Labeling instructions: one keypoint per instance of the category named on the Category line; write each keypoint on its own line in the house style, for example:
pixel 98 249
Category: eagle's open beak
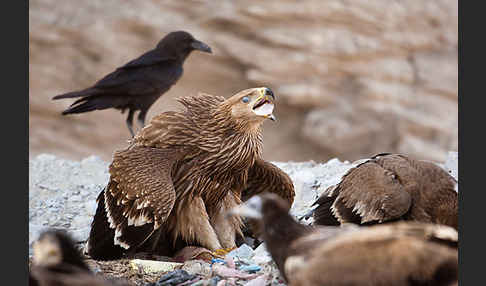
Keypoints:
pixel 198 45
pixel 264 103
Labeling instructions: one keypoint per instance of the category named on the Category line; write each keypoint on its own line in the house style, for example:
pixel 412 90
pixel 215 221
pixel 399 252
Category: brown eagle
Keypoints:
pixel 389 187
pixel 400 253
pixel 174 183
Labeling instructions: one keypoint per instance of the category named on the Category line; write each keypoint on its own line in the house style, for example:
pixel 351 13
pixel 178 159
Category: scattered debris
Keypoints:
pixel 199 267
pixel 242 252
pixel 176 277
pixel 259 281
pixel 224 271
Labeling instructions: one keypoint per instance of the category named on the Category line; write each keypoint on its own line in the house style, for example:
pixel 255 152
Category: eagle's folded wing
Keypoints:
pixel 138 198
pixel 266 177
pixel 369 193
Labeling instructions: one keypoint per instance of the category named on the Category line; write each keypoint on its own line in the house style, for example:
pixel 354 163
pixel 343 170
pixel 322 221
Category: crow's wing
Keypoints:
pixel 147 74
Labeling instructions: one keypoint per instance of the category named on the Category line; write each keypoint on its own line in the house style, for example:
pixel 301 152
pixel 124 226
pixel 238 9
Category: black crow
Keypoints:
pixel 140 82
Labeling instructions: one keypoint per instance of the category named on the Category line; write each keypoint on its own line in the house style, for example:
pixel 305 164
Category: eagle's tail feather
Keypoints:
pixel 100 241
pixel 322 213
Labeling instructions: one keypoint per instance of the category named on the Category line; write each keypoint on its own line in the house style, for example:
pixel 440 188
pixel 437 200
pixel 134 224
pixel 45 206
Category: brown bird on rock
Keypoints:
pixel 57 262
pixel 179 176
pixel 401 253
pixel 139 83
pixel 390 187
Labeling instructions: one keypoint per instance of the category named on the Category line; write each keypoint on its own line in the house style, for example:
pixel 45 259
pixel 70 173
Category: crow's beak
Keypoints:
pixel 198 45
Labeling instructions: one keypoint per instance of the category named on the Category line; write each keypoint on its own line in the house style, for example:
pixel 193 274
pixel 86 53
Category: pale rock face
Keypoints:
pixel 351 78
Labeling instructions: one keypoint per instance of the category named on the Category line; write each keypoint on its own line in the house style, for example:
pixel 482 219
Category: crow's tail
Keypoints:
pixel 80 106
pixel 84 92
pixel 89 103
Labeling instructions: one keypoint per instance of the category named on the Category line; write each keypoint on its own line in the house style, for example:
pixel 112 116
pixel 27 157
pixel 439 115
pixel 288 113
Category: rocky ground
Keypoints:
pixel 62 194
pixel 352 78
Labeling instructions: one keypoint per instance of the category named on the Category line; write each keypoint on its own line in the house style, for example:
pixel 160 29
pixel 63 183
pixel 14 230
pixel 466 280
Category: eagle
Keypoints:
pixel 389 187
pixel 399 253
pixel 174 183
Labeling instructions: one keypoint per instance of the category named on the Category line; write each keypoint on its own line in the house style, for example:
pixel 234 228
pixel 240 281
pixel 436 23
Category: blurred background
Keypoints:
pixel 352 78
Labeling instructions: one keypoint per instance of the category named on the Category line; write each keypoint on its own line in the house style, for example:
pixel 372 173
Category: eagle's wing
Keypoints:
pixel 394 254
pixel 137 200
pixel 266 177
pixel 437 233
pixel 368 192
pixel 301 248
pixel 318 235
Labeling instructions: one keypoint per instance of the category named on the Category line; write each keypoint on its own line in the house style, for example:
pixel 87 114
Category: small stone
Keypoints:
pixel 261 255
pixel 252 268
pixel 153 266
pixel 227 272
pixel 259 281
pixel 175 277
pixel 230 262
pixel 221 283
pixel 242 252
pixel 197 267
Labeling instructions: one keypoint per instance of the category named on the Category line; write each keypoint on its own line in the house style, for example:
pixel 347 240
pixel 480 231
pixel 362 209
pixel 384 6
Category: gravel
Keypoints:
pixel 62 194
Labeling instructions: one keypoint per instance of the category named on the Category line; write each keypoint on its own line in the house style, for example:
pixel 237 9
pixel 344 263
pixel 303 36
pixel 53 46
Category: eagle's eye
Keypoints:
pixel 245 99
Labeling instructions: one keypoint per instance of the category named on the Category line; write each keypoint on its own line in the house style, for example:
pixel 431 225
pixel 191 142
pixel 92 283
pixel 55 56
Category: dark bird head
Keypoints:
pixel 279 228
pixel 262 207
pixel 181 44
pixel 55 247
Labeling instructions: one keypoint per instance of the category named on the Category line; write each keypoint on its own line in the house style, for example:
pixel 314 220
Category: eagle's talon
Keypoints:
pixel 223 251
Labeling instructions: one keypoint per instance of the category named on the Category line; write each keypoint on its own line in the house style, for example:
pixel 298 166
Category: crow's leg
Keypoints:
pixel 141 118
pixel 130 121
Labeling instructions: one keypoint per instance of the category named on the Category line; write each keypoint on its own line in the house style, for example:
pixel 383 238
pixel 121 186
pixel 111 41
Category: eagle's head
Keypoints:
pixel 251 106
